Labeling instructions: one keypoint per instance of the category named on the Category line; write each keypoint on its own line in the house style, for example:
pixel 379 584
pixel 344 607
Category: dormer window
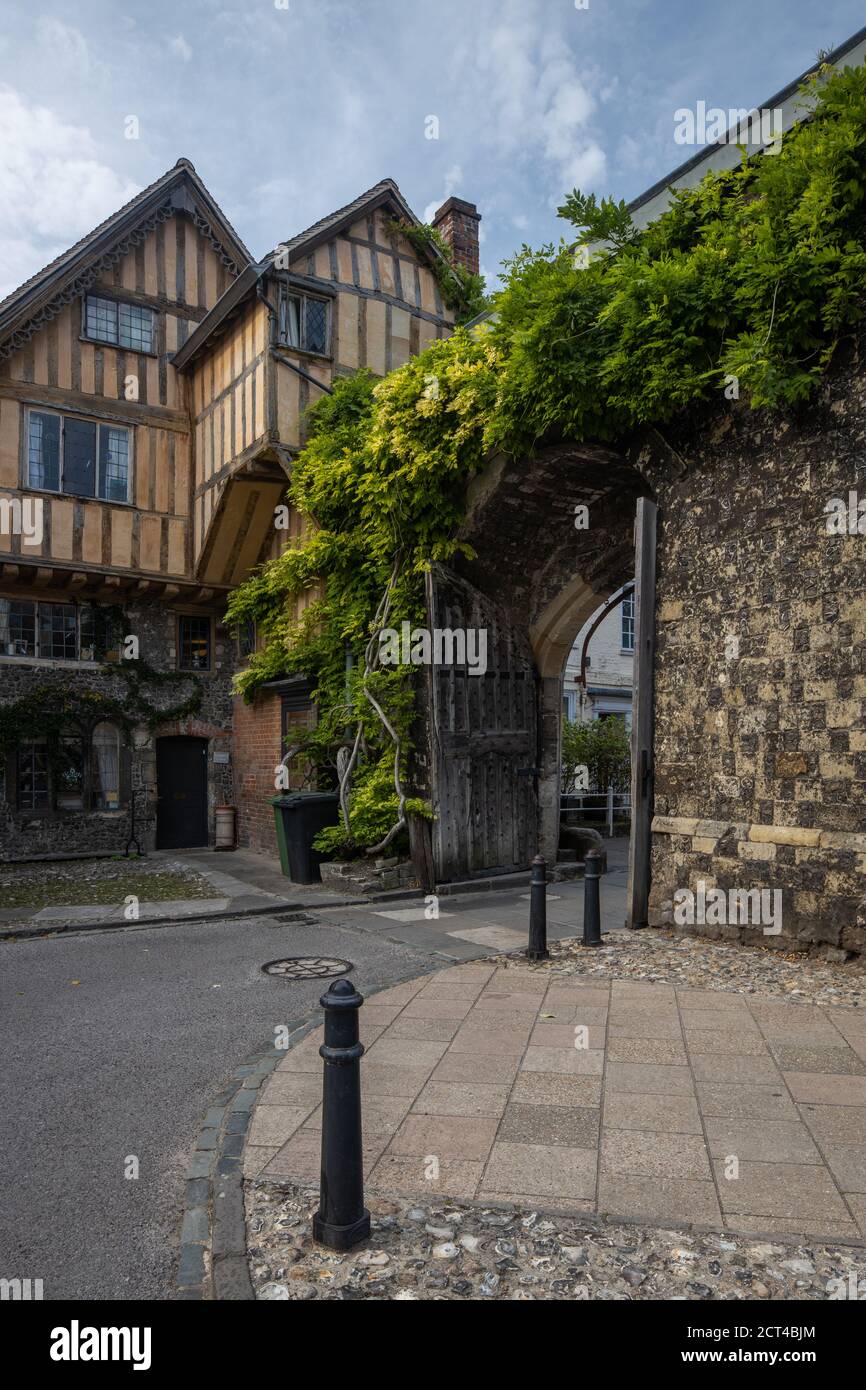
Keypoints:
pixel 304 322
pixel 113 321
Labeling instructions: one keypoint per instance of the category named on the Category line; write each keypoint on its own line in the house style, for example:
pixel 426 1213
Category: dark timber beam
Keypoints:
pixel 637 899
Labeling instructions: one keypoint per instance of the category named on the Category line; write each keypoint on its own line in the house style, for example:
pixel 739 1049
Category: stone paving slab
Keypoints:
pixel 495 1082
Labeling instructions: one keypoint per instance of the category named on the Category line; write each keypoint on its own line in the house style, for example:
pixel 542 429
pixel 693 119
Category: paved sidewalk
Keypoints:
pixel 685 1105
pixel 469 925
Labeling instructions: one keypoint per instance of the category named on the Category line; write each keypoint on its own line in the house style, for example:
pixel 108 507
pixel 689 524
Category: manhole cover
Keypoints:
pixel 307 967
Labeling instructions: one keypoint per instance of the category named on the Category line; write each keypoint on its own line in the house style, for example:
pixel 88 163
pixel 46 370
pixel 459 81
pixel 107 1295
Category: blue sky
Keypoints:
pixel 290 108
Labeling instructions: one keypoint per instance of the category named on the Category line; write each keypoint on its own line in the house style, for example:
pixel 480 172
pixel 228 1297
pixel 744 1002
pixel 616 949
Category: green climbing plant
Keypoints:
pixel 753 277
pixel 461 290
pixel 59 709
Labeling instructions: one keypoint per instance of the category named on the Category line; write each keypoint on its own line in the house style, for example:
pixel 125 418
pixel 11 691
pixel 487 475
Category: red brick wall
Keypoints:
pixel 457 223
pixel 257 750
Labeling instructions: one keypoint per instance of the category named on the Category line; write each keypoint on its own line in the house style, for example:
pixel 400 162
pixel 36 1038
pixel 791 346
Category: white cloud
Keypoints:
pixel 453 180
pixel 53 187
pixel 180 48
pixel 66 46
pixel 541 107
pixel 584 169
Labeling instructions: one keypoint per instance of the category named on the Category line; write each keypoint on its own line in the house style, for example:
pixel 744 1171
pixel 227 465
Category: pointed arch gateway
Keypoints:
pixel 494 737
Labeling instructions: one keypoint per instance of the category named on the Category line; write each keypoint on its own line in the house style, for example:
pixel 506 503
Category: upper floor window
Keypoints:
pixel 628 623
pixel 85 458
pixel 304 322
pixel 193 643
pixel 123 325
pixel 56 631
pixel 246 638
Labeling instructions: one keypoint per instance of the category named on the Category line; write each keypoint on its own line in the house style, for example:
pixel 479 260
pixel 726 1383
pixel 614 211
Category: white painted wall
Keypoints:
pixel 609 673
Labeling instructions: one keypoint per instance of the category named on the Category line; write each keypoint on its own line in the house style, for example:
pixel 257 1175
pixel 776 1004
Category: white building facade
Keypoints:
pixel 609 668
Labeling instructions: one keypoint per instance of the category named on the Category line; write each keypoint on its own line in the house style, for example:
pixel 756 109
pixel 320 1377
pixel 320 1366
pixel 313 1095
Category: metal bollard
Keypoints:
pixel 537 949
pixel 342 1219
pixel 591 905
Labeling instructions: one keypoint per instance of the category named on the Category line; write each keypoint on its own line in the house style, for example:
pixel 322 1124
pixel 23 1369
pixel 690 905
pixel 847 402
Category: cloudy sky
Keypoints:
pixel 290 108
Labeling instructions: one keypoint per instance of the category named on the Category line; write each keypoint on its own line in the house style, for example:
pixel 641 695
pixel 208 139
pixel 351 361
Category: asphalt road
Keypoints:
pixel 115 1044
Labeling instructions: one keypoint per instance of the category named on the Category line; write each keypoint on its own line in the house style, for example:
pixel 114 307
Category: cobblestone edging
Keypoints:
pixel 213 1259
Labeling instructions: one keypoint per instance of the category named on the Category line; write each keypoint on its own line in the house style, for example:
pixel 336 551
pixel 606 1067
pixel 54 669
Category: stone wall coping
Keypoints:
pixel 760 834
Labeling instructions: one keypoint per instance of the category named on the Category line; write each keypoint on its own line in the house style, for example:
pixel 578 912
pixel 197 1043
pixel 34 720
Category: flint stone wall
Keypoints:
pixel 760 683
pixel 25 834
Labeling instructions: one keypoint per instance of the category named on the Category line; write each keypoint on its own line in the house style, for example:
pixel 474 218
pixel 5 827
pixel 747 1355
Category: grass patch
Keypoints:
pixel 83 883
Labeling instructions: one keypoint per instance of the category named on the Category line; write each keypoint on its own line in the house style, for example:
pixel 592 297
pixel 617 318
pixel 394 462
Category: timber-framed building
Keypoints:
pixel 153 385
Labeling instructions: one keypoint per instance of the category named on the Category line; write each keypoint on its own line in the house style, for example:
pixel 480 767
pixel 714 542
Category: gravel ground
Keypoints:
pixel 105 881
pixel 459 1251
pixel 662 957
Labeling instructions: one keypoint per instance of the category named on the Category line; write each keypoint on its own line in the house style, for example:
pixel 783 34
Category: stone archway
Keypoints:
pixel 495 753
pixel 753 752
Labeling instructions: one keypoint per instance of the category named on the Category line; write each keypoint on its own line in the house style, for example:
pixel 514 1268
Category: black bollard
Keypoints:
pixel 342 1219
pixel 537 949
pixel 591 905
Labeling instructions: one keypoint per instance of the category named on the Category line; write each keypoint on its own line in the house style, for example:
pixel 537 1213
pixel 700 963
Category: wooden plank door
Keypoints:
pixel 484 740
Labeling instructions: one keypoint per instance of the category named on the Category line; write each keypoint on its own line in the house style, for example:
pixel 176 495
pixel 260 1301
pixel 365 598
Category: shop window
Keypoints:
pixel 33 791
pixel 105 768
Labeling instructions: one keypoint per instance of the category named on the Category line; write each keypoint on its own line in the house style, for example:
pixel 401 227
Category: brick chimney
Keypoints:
pixel 457 223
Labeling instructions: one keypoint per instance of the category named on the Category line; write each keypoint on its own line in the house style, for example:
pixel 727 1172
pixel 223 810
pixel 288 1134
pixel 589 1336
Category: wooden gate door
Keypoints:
pixel 484 740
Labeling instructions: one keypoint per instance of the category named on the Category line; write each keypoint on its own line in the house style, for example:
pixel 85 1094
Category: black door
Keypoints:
pixel 181 788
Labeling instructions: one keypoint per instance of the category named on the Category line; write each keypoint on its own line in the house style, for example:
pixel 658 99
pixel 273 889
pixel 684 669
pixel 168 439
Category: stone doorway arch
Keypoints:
pixel 494 740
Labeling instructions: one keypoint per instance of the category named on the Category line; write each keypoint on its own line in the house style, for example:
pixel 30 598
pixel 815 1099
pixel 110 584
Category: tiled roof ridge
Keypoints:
pixel 340 213
pixel 95 232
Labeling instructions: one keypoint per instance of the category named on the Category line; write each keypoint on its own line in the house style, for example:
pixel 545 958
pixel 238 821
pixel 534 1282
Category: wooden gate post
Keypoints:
pixel 421 851
pixel 637 899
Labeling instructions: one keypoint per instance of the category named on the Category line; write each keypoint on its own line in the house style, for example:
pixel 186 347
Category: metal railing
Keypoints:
pixel 604 807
